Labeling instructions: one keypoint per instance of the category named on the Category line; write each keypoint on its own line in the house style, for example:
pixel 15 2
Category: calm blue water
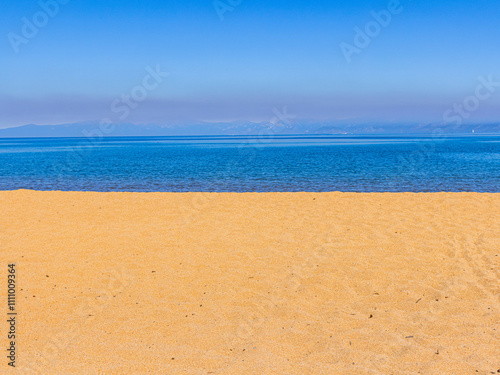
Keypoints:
pixel 240 164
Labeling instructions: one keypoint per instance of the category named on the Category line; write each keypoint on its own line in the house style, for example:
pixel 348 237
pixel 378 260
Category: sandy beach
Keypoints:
pixel 271 283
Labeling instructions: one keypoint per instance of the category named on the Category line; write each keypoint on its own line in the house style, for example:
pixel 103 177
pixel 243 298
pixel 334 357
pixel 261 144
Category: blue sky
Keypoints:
pixel 262 55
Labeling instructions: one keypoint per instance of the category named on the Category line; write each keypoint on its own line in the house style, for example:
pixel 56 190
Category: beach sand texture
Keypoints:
pixel 273 283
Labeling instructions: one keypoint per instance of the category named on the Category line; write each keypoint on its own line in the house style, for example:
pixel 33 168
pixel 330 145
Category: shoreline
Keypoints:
pixel 247 192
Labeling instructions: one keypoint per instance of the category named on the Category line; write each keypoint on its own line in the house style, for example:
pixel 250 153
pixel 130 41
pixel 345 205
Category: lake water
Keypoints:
pixel 253 164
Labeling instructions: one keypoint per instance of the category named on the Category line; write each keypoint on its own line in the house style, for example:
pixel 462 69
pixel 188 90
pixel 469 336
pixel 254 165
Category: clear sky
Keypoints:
pixel 89 59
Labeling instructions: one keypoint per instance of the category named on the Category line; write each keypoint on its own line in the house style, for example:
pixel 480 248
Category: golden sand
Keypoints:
pixel 278 283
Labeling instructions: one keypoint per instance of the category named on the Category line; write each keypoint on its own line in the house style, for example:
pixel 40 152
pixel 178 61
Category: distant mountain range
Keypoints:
pixel 95 129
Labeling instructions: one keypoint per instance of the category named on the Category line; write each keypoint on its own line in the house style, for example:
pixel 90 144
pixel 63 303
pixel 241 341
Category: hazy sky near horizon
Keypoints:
pixel 106 59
